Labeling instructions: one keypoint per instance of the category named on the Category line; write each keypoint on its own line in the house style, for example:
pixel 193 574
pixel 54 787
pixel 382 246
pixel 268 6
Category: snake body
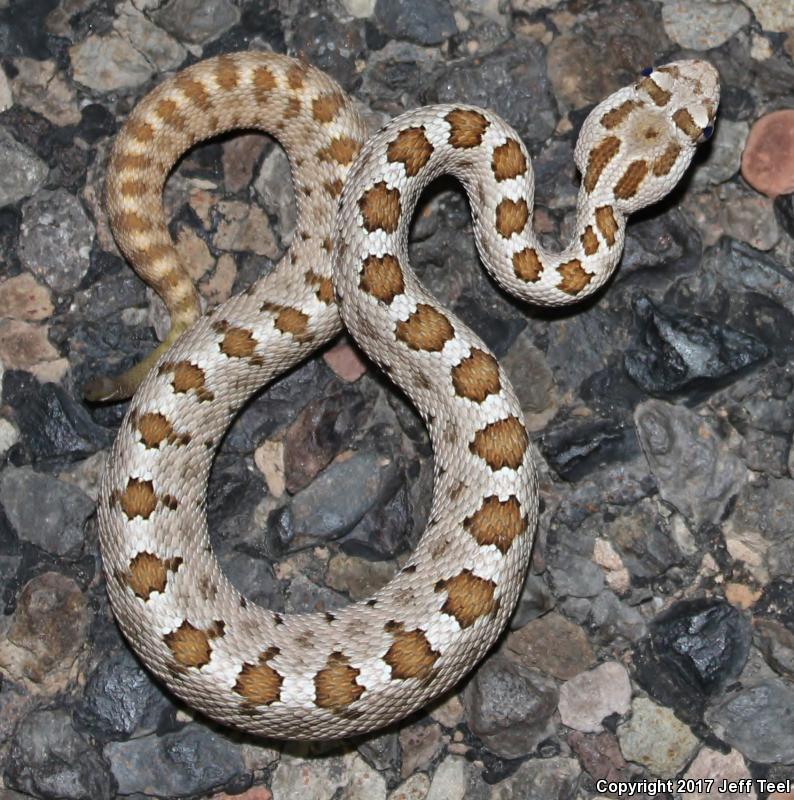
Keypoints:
pixel 320 676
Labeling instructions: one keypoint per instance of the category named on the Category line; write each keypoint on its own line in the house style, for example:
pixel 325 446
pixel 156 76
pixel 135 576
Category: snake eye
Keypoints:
pixel 647 72
pixel 708 132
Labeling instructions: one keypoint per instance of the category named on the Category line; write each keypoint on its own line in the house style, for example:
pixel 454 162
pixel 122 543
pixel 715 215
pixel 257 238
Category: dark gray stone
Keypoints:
pixel 692 652
pixel 419 21
pixel 677 350
pixel 758 721
pixel 49 758
pixel 45 511
pixel 21 172
pixel 541 779
pixel 196 21
pixel 120 699
pixel 535 600
pixel 56 238
pixel 191 761
pixel 510 707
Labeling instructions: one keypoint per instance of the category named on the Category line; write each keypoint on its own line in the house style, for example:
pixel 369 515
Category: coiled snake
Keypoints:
pixel 318 676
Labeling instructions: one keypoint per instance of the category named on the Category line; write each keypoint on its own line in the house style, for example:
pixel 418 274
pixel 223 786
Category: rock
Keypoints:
pixel 303 596
pixel 40 87
pixel 692 652
pixel 244 228
pixel 552 645
pixel 319 432
pixel 613 618
pixel 6 98
pixel 345 361
pixel 530 375
pixel 52 425
pixel 109 63
pixel 510 707
pixel 415 788
pixel 195 22
pixel 587 698
pixel 711 765
pixel 21 297
pixel 357 577
pixel 510 81
pixel 269 458
pixel 703 25
pixel 47 632
pixel 680 349
pixel 382 752
pixel 420 745
pixel 758 721
pixel 540 779
pixel 776 642
pixel 359 8
pixel 768 157
pixel 22 172
pixel 50 759
pixel 426 23
pixel 350 775
pixel 724 156
pixel 600 754
pixel 536 599
pixel 240 154
pixel 273 175
pixel 449 712
pixel 654 738
pixel 772 15
pixel 26 346
pixel 160 49
pixel 45 511
pixel 193 760
pixel 457 779
pixel 56 238
pixel 573 575
pixel 692 465
pixel 120 699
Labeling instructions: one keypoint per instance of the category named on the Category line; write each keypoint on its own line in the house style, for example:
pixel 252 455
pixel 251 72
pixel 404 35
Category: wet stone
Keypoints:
pixel 188 762
pixel 45 511
pixel 758 721
pixel 426 23
pixel 655 738
pixel 677 350
pixel 50 759
pixel 551 644
pixel 22 172
pixel 120 699
pixel 692 652
pixel 510 707
pixel 588 698
pixel 56 238
pixel 690 461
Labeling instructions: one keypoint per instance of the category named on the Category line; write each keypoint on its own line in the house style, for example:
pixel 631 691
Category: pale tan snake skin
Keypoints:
pixel 320 676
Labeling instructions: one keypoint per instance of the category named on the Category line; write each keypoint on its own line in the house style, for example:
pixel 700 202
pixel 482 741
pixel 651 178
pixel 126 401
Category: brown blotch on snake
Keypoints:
pixel 511 217
pixel 468 597
pixel 290 320
pixel 589 241
pixel 327 106
pixel 412 149
pixel 501 444
pixel 138 499
pixel 477 376
pixel 598 159
pixel 325 287
pixel 630 181
pixel 497 522
pixel 128 223
pixel 659 96
pixel 466 127
pixel 607 224
pixel 574 277
pixel 155 429
pixel 168 112
pixel 683 119
pixel 194 91
pixel 335 685
pixel 334 187
pixel 527 265
pixel 191 646
pixel 136 188
pixel 187 377
pixel 410 655
pixel 380 208
pixel 238 343
pixel 425 329
pixel 264 83
pixel 148 573
pixel 259 683
pixel 342 150
pixel 139 130
pixel 664 163
pixel 226 73
pixel 382 277
pixel 616 116
pixel 508 161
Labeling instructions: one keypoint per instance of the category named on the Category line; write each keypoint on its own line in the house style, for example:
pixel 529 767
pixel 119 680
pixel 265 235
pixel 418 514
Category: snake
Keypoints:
pixel 337 674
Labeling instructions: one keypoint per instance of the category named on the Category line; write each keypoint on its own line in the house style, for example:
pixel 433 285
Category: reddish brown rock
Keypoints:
pixel 768 158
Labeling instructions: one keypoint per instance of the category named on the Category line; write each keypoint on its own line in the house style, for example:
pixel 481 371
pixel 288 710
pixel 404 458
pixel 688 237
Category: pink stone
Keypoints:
pixel 768 158
pixel 345 362
pixel 254 793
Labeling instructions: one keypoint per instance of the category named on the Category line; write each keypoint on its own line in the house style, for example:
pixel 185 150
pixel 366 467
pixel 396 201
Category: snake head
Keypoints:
pixel 636 144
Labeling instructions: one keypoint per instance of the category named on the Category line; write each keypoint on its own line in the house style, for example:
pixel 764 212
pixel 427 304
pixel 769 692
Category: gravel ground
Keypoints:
pixel 655 635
